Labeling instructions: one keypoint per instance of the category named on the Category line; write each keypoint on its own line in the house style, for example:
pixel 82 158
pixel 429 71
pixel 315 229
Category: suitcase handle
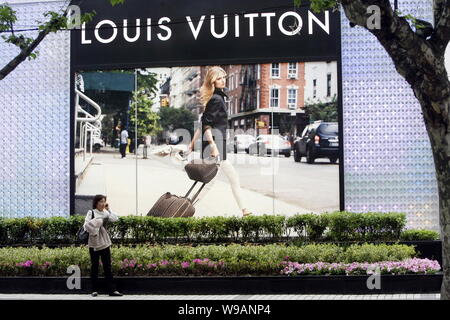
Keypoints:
pixel 197 193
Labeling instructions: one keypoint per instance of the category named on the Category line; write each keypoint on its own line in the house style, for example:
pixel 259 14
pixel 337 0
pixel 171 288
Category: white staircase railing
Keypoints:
pixel 89 124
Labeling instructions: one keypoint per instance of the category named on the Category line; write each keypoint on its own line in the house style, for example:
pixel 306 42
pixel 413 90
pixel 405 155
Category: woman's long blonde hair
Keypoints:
pixel 207 89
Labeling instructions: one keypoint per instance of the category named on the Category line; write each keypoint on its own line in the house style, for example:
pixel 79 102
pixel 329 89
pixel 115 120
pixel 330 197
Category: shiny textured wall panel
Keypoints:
pixel 35 121
pixel 387 156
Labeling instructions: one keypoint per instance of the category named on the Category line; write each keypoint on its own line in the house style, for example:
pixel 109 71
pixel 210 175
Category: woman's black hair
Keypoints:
pixel 97 198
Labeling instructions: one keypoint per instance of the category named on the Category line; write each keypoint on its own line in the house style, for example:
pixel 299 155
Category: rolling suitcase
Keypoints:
pixel 173 206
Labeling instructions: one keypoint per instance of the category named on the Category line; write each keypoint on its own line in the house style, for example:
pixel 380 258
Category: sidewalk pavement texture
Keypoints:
pixel 113 176
pixel 221 297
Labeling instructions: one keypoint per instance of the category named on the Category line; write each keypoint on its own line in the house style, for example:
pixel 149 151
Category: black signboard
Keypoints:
pixel 144 33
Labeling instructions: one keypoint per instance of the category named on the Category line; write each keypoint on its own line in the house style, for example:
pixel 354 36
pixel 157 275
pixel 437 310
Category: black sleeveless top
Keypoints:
pixel 216 117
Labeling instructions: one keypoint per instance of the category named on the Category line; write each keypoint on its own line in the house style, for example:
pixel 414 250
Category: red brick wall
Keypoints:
pixel 265 83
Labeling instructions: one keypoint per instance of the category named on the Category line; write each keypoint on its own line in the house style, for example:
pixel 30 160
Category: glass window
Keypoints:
pixel 292 70
pixel 292 98
pixel 275 70
pixel 258 93
pixel 274 98
pixel 314 88
pixel 329 85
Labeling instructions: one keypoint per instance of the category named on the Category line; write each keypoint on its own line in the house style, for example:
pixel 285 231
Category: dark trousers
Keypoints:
pixel 105 255
pixel 123 149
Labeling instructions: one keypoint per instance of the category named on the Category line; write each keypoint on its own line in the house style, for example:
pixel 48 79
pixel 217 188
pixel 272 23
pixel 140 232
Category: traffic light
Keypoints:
pixel 164 102
pixel 260 124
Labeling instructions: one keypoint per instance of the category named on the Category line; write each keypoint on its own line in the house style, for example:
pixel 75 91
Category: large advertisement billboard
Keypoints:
pixel 141 72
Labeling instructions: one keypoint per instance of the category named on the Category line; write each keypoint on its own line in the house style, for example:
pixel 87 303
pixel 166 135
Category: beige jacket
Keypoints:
pixel 98 235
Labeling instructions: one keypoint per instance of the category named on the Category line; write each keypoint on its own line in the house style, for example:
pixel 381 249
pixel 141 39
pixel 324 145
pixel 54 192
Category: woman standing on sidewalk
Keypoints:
pixel 214 125
pixel 99 243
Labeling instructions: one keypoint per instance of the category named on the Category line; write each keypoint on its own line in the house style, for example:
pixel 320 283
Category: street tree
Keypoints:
pixel 417 49
pixel 325 111
pixel 143 100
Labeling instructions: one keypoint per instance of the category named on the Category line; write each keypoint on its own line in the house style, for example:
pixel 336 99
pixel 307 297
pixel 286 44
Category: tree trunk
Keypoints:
pixel 440 144
pixel 421 62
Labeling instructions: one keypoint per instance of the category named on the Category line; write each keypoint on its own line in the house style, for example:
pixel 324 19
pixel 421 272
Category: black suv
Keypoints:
pixel 318 140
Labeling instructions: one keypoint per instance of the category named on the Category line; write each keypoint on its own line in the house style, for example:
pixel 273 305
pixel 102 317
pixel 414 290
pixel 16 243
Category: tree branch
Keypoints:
pixel 24 53
pixel 414 57
pixel 441 34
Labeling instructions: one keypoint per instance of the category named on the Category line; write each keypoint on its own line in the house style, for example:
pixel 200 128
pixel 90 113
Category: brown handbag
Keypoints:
pixel 202 171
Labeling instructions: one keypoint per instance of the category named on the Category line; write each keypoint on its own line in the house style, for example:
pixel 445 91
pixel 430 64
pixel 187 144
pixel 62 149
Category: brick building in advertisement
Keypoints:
pixel 262 98
pixel 267 97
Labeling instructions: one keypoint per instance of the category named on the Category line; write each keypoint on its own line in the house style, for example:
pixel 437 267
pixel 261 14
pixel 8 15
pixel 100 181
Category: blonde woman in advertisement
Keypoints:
pixel 214 122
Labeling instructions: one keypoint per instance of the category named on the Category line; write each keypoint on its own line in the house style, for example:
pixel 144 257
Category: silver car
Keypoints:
pixel 270 144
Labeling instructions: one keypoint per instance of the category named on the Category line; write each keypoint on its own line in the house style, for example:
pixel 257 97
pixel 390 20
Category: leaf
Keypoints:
pixel 116 2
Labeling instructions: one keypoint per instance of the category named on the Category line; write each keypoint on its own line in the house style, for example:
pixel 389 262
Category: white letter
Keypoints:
pixel 268 16
pixel 113 26
pixel 296 16
pixel 236 26
pixel 251 16
pixel 225 27
pixel 374 281
pixel 149 29
pixel 325 26
pixel 83 35
pixel 74 281
pixel 169 31
pixel 195 31
pixel 125 30
pixel 374 21
pixel 73 17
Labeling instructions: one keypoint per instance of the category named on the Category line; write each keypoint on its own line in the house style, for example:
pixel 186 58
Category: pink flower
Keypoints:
pixel 164 262
pixel 185 265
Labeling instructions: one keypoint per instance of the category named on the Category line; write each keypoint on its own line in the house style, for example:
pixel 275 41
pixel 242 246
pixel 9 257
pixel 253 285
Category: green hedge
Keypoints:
pixel 415 235
pixel 335 226
pixel 231 259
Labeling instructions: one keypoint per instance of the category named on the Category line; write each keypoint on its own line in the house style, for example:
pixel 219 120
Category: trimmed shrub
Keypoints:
pixel 334 226
pixel 419 235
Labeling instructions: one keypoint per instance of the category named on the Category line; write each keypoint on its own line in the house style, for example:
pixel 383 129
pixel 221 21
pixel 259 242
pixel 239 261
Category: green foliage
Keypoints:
pixel 147 120
pixel 7 17
pixel 319 5
pixel 383 252
pixel 418 235
pixel 235 259
pixel 325 111
pixel 177 118
pixel 55 21
pixel 334 226
pixel 347 226
pixel 116 2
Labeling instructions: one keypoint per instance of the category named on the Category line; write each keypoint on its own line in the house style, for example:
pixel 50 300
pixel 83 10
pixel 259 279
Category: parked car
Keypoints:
pixel 241 142
pixel 318 140
pixel 267 144
pixel 97 143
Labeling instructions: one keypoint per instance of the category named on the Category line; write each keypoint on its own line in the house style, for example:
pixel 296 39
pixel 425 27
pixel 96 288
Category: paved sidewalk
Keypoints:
pixel 222 297
pixel 115 177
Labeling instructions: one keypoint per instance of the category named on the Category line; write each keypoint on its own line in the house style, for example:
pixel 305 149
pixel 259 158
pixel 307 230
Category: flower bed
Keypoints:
pixel 231 260
pixel 409 266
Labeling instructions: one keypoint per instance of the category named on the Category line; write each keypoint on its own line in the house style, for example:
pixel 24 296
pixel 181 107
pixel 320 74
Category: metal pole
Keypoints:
pixel 135 135
pixel 84 141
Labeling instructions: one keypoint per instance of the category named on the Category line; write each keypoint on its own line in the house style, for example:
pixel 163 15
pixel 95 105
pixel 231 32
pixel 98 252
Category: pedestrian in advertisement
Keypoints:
pixel 123 142
pixel 215 120
pixel 99 243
